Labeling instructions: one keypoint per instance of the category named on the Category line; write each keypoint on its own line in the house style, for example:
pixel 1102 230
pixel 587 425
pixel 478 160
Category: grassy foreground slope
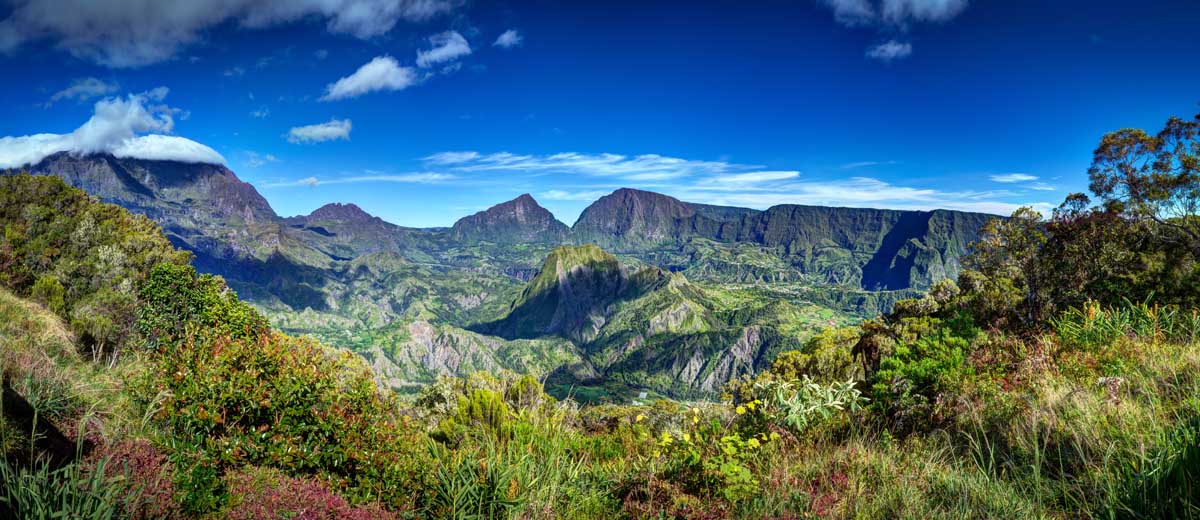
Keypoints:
pixel 198 410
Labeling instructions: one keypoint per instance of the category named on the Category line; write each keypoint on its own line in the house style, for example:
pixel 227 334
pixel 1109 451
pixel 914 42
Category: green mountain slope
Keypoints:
pixel 645 328
pixel 670 309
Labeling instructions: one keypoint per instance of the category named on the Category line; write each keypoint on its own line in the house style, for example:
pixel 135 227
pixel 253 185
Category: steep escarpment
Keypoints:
pixel 875 249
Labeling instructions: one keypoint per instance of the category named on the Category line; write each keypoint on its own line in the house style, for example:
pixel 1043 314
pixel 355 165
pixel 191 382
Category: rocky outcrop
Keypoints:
pixel 573 295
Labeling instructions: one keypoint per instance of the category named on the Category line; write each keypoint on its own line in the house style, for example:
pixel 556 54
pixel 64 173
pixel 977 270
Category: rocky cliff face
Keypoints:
pixel 161 189
pixel 871 248
pixel 520 220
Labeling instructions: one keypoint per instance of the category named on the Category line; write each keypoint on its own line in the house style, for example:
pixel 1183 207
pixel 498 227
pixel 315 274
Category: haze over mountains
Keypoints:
pixel 663 302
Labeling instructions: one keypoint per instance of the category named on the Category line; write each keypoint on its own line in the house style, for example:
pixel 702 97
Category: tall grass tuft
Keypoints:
pixel 42 493
pixel 1093 326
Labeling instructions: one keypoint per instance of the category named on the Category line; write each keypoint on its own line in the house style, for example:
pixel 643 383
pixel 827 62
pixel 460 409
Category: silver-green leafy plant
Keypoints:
pixel 800 403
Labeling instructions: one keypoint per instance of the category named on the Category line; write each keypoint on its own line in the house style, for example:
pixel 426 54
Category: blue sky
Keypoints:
pixel 418 110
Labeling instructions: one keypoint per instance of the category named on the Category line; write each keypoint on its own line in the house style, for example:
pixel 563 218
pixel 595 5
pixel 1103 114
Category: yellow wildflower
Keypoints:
pixel 687 437
pixel 639 418
pixel 752 443
pixel 695 410
pixel 774 436
pixel 740 410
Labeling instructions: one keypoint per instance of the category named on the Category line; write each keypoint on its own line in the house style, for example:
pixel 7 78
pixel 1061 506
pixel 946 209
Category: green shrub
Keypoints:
pixel 708 456
pixel 49 292
pixel 175 296
pixel 481 410
pixel 287 403
pixel 82 258
pixel 930 360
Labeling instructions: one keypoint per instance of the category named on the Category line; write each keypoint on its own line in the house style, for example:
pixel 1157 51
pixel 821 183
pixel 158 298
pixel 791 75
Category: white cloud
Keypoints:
pixel 254 160
pixel 321 54
pixel 1041 186
pixel 855 192
pixel 134 33
pixel 1013 177
pixel 890 50
pixel 891 16
pixel 167 148
pixel 509 39
pixel 588 195
pixel 452 157
pixel 899 12
pixel 114 128
pixel 372 176
pixel 381 73
pixel 865 164
pixel 261 112
pixel 893 12
pixel 717 182
pixel 741 180
pixel 83 89
pixel 447 46
pixel 235 71
pixel 646 167
pixel 332 130
pixel 851 12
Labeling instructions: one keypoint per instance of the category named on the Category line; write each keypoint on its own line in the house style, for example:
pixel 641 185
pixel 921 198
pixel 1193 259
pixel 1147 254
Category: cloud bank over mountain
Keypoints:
pixel 134 126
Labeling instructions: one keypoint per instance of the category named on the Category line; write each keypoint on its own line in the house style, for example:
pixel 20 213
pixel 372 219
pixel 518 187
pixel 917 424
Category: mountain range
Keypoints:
pixel 643 291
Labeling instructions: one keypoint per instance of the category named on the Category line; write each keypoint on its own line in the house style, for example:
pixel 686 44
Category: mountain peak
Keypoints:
pixel 573 294
pixel 340 212
pixel 519 220
pixel 157 187
pixel 645 215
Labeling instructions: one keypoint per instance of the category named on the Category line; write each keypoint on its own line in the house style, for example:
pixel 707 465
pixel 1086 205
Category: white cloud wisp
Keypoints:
pixel 381 73
pixel 447 46
pixel 331 130
pixel 508 39
pixel 83 89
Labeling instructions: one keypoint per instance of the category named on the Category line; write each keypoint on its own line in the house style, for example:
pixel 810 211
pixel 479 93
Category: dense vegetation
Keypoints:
pixel 1058 378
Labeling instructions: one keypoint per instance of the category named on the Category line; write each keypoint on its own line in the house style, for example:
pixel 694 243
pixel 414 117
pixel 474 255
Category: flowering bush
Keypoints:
pixel 710 457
